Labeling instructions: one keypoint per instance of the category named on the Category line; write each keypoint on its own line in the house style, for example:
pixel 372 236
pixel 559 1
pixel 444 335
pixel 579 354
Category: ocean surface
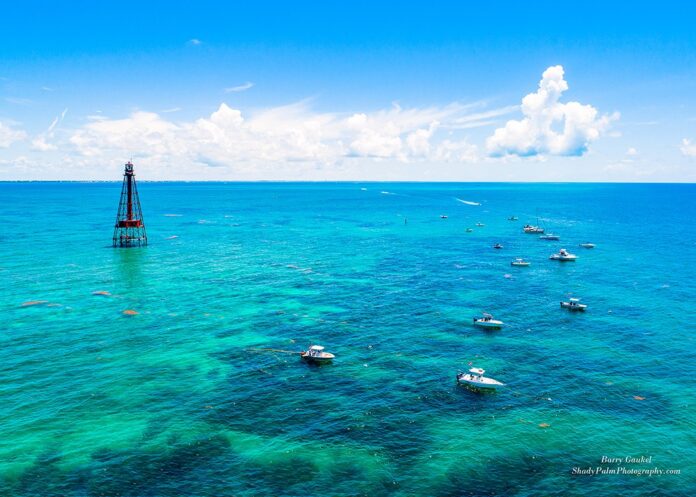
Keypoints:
pixel 201 393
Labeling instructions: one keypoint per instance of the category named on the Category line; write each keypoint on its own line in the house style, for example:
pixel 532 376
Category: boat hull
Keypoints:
pixel 491 385
pixel 574 308
pixel 489 324
pixel 562 259
pixel 317 359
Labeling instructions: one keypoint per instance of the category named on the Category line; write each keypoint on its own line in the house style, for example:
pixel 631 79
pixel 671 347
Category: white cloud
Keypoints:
pixel 631 152
pixel 549 126
pixel 687 148
pixel 194 42
pixel 287 134
pixel 9 135
pixel 41 141
pixel 238 88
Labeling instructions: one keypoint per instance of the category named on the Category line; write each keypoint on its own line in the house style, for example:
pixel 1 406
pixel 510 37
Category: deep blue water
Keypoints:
pixel 185 397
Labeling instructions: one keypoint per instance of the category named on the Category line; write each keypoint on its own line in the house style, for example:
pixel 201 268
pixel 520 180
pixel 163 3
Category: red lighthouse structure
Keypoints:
pixel 129 230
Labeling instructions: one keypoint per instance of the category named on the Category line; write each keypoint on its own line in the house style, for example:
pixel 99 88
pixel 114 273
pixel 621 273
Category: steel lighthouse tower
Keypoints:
pixel 129 230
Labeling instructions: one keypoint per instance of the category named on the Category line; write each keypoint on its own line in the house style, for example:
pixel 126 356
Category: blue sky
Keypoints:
pixel 412 91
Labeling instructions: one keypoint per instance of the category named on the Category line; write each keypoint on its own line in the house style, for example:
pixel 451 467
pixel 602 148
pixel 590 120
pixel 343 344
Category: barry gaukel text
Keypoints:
pixel 625 465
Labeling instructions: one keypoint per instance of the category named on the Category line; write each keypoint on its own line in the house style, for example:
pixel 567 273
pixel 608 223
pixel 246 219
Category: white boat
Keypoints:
pixel 479 224
pixel 443 216
pixel 528 228
pixel 573 305
pixel 564 256
pixel 469 230
pixel 513 218
pixel 487 321
pixel 549 236
pixel 497 246
pixel 587 245
pixel 475 379
pixel 316 354
pixel 519 262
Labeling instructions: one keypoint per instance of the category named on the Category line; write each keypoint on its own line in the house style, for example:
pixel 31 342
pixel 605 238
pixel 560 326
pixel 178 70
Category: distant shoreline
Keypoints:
pixel 358 182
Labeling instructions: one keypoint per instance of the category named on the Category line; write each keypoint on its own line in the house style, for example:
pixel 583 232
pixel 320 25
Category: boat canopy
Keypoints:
pixel 574 300
pixel 486 315
pixel 477 371
pixel 318 348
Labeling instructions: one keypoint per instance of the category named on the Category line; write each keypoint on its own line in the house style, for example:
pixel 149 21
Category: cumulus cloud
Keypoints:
pixel 9 134
pixel 287 134
pixel 549 127
pixel 687 148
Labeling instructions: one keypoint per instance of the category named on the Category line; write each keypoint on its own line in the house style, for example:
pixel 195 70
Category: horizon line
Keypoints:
pixel 119 181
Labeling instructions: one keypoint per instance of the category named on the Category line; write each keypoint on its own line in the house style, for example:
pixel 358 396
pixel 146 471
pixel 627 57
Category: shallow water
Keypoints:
pixel 179 400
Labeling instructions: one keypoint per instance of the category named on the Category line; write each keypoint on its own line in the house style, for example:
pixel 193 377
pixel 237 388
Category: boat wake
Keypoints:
pixel 467 202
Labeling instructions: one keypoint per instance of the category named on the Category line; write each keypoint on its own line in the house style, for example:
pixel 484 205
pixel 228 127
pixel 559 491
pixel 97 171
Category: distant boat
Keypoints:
pixel 480 224
pixel 513 218
pixel 528 228
pixel 443 216
pixel 564 256
pixel 587 245
pixel 487 321
pixel 519 262
pixel 549 236
pixel 475 379
pixel 573 305
pixel 497 246
pixel 316 354
pixel 469 230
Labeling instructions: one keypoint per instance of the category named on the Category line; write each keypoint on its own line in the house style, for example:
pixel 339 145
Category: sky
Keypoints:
pixel 367 91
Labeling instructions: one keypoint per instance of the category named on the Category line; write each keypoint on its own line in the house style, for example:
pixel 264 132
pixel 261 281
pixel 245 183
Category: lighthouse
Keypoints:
pixel 129 230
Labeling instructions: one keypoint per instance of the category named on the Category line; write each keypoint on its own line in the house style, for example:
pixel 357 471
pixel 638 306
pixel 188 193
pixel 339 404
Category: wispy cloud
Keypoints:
pixel 47 88
pixel 239 88
pixel 9 134
pixel 41 142
pixel 18 101
pixel 173 109
pixel 688 148
pixel 479 119
pixel 194 42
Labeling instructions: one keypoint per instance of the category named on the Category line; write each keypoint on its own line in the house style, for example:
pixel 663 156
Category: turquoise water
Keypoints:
pixel 181 399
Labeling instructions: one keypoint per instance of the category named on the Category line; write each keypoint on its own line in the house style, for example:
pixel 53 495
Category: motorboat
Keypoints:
pixel 469 230
pixel 480 224
pixel 487 321
pixel 573 305
pixel 519 262
pixel 474 379
pixel 587 245
pixel 549 236
pixel 497 246
pixel 443 216
pixel 513 218
pixel 534 230
pixel 316 354
pixel 564 256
